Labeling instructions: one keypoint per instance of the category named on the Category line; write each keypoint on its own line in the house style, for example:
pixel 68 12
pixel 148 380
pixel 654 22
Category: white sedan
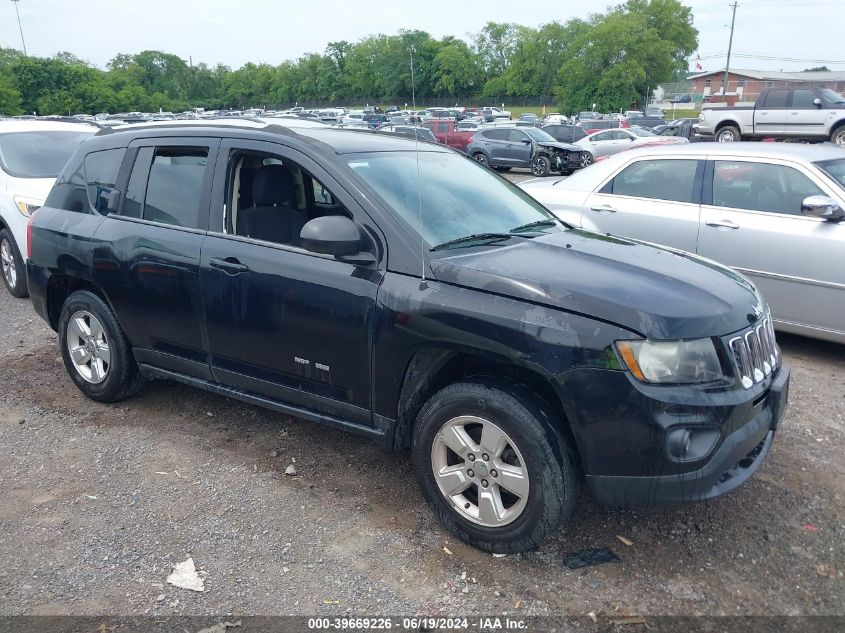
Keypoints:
pixel 613 141
pixel 773 211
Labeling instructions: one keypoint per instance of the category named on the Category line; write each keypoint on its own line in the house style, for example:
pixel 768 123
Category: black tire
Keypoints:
pixel 541 166
pixel 548 460
pixel 122 378
pixel 728 134
pixel 837 137
pixel 481 158
pixel 17 267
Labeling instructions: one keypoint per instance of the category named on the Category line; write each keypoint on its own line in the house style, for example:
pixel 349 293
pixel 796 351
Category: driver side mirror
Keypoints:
pixel 822 207
pixel 526 141
pixel 817 102
pixel 338 236
pixel 113 202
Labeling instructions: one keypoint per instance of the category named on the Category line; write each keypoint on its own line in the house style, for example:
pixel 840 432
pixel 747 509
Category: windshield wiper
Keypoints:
pixel 531 225
pixel 475 237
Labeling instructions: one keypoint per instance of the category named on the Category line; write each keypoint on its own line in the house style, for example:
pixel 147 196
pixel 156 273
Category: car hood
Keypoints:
pixel 36 188
pixel 560 145
pixel 654 291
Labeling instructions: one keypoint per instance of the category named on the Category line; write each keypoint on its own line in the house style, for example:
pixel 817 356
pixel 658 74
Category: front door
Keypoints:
pixel 805 117
pixel 753 223
pixel 655 200
pixel 282 322
pixel 519 148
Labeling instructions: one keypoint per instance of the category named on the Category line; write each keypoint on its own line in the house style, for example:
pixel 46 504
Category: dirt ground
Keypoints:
pixel 98 502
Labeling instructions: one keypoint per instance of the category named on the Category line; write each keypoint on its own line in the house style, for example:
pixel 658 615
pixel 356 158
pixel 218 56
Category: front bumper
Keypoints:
pixel 736 459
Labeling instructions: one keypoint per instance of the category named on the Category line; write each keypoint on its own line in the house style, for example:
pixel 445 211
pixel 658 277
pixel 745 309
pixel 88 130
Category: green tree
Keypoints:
pixel 10 98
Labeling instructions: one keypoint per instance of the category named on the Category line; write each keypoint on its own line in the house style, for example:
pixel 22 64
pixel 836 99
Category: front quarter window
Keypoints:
pixel 453 196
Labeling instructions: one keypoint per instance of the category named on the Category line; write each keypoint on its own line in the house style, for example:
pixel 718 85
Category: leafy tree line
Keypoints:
pixel 610 59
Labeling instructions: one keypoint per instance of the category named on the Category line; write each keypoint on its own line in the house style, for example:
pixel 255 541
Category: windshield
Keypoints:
pixel 458 196
pixel 835 169
pixel 39 154
pixel 539 135
pixel 638 131
pixel 830 96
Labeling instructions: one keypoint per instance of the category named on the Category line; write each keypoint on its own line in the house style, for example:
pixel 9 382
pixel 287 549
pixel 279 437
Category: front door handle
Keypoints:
pixel 723 224
pixel 230 265
pixel 603 208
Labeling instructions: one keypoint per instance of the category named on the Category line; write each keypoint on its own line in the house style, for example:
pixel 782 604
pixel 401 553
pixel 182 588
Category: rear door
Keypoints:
pixel 495 143
pixel 601 144
pixel 771 115
pixel 752 221
pixel 656 200
pixel 146 256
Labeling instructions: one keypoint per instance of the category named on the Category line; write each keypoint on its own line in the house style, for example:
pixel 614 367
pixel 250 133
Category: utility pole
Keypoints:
pixel 19 26
pixel 728 62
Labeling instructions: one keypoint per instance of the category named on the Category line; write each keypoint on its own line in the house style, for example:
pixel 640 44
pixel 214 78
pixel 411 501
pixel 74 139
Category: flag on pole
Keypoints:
pixel 698 66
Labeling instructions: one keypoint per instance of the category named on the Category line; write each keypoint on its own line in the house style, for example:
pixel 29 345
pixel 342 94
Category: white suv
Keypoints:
pixel 32 153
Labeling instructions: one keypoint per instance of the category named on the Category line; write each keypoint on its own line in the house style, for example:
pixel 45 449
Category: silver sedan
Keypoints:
pixel 609 142
pixel 772 211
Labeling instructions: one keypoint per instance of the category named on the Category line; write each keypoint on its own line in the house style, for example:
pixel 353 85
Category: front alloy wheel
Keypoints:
pixel 10 272
pixel 586 159
pixel 480 471
pixel 12 266
pixel 541 166
pixel 492 469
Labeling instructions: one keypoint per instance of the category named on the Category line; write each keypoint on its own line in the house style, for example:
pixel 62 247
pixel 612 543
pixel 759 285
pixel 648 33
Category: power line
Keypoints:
pixel 20 26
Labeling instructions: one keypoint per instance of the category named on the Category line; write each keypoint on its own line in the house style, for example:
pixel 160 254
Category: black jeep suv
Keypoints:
pixel 409 294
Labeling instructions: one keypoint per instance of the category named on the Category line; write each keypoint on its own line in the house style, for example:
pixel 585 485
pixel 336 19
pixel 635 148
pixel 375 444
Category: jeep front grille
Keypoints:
pixel 755 353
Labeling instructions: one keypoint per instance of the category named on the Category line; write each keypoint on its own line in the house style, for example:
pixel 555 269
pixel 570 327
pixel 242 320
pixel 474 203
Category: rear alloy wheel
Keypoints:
pixel 586 159
pixel 541 166
pixel 95 351
pixel 838 136
pixel 492 469
pixel 728 134
pixel 482 158
pixel 12 265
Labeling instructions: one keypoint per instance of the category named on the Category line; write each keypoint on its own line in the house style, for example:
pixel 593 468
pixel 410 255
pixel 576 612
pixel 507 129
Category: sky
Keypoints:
pixel 233 32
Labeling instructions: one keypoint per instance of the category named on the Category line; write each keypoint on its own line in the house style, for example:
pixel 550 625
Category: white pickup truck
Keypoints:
pixel 812 114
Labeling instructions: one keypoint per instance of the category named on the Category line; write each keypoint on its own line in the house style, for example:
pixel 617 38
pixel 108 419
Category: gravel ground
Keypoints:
pixel 98 502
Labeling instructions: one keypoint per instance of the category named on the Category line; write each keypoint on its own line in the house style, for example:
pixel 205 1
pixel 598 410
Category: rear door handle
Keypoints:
pixel 723 224
pixel 230 265
pixel 603 208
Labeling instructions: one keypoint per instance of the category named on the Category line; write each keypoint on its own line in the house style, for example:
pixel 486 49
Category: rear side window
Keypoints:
pixel 69 191
pixel 497 135
pixel 658 179
pixel 174 187
pixel 166 186
pixel 776 99
pixel 101 169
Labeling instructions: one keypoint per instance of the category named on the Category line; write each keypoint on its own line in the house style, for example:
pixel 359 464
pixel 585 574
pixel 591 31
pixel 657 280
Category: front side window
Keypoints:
pixel 455 196
pixel 659 179
pixel 761 187
pixel 270 198
pixel 101 169
pixel 835 169
pixel 517 136
pixel 602 136
pixel 39 154
pixel 803 99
